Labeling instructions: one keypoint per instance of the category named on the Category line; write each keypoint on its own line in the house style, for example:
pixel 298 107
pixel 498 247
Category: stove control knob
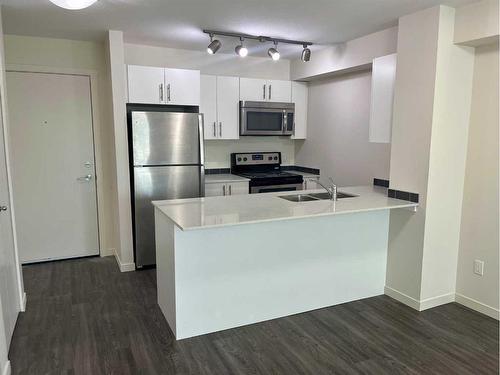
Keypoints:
pixel 275 158
pixel 245 159
pixel 239 159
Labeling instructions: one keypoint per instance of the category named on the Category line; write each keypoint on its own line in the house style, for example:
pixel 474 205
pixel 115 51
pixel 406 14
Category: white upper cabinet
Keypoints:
pixel 208 105
pixel 279 91
pixel 145 84
pixel 228 93
pixel 383 79
pixel 182 86
pixel 220 106
pixel 254 89
pixel 153 85
pixel 299 97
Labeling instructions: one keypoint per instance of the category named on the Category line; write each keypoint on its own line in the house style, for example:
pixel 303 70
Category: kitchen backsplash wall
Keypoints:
pixel 217 153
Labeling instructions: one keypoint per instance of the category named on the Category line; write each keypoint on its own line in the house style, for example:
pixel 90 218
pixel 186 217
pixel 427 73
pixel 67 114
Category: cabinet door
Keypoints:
pixel 214 189
pixel 228 93
pixel 253 89
pixel 146 84
pixel 238 188
pixel 182 86
pixel 299 97
pixel 383 79
pixel 279 91
pixel 208 105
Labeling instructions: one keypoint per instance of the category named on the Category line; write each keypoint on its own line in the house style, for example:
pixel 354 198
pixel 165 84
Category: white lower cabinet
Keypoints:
pixel 216 189
pixel 310 183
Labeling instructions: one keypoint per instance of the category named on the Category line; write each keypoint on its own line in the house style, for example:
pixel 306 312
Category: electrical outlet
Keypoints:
pixel 479 267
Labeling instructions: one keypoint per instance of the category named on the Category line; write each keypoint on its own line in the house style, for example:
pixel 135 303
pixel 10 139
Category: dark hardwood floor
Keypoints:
pixel 85 317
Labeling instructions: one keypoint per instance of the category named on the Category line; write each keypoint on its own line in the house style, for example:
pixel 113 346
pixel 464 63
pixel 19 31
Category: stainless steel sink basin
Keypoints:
pixel 298 198
pixel 325 195
pixel 314 197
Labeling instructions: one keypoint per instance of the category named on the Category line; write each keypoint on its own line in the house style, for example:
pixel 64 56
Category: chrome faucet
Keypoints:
pixel 332 189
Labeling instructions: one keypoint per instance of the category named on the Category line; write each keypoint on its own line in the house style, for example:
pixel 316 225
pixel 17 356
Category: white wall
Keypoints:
pixel 477 23
pixel 70 54
pixel 480 214
pixel 337 134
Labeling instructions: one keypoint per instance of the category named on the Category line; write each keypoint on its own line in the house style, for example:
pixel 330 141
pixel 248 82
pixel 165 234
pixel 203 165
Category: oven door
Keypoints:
pixel 275 188
pixel 262 121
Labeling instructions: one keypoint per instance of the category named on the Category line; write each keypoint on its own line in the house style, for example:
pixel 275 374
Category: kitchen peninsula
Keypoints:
pixel 224 262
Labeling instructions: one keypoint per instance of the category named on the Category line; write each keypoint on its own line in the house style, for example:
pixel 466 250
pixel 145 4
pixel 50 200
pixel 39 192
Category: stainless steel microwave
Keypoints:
pixel 266 118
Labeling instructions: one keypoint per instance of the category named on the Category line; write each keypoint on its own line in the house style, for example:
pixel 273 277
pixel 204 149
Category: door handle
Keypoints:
pixel 215 131
pixel 86 178
pixel 264 92
pixel 161 92
pixel 270 91
pixel 220 129
pixel 223 189
pixel 168 92
pixel 230 192
pixel 3 208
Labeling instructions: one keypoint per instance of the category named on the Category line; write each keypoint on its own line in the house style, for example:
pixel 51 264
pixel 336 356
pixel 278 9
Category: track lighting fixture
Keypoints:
pixel 273 52
pixel 214 45
pixel 306 54
pixel 73 4
pixel 241 50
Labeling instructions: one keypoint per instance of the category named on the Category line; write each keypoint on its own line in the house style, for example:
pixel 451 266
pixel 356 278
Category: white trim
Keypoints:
pixel 429 303
pixel 124 267
pixel 477 306
pixel 23 302
pixel 6 368
pixel 403 298
pixel 96 129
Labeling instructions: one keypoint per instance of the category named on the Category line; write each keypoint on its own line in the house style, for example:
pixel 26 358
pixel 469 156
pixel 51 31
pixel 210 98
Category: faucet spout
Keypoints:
pixel 332 189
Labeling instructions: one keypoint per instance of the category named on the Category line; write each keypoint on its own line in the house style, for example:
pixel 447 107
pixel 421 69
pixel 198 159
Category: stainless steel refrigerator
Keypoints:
pixel 167 163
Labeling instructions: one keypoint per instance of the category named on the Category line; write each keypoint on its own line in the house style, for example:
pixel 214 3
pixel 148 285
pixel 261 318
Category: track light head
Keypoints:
pixel 214 45
pixel 306 54
pixel 241 50
pixel 273 52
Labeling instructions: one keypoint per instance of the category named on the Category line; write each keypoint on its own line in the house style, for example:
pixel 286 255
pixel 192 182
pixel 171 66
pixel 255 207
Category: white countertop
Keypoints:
pixel 224 177
pixel 210 212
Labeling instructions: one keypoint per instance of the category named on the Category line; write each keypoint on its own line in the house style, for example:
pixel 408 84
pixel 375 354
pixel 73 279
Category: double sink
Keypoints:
pixel 314 197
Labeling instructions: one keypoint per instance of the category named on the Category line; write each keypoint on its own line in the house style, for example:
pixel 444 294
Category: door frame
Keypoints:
pixel 96 130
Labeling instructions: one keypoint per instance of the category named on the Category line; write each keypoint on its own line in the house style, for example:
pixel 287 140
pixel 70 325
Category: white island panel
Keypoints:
pixel 223 277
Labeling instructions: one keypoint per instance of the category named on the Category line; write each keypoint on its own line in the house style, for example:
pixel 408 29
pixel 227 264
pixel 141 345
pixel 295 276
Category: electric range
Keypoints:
pixel 264 171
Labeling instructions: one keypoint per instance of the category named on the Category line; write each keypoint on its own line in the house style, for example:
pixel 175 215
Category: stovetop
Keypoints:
pixel 267 174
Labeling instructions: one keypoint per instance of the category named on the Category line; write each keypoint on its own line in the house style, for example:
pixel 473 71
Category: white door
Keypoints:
pixel 182 86
pixel 208 105
pixel 9 292
pixel 146 84
pixel 253 89
pixel 279 91
pixel 300 98
pixel 53 169
pixel 228 93
pixel 238 188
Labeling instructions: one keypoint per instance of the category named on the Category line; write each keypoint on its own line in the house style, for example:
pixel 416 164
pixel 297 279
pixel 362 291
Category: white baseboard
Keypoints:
pixel 23 303
pixel 107 252
pixel 124 267
pixel 429 303
pixel 6 368
pixel 477 306
pixel 403 298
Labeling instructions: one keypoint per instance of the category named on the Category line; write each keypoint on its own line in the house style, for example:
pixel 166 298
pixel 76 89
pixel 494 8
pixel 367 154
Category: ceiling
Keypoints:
pixel 178 23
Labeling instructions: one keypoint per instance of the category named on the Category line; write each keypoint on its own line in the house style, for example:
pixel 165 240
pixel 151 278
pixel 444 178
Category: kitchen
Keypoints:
pixel 236 185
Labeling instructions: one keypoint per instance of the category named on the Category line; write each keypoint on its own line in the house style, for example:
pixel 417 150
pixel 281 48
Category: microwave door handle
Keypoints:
pixel 283 125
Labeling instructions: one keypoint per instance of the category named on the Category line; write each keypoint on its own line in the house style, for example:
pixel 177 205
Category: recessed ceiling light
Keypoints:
pixel 73 4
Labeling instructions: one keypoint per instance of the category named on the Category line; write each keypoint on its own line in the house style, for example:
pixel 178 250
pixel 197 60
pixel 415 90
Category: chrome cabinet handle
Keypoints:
pixel 223 189
pixel 85 178
pixel 3 208
pixel 264 92
pixel 215 131
pixel 270 91
pixel 220 129
pixel 230 192
pixel 168 92
pixel 161 92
